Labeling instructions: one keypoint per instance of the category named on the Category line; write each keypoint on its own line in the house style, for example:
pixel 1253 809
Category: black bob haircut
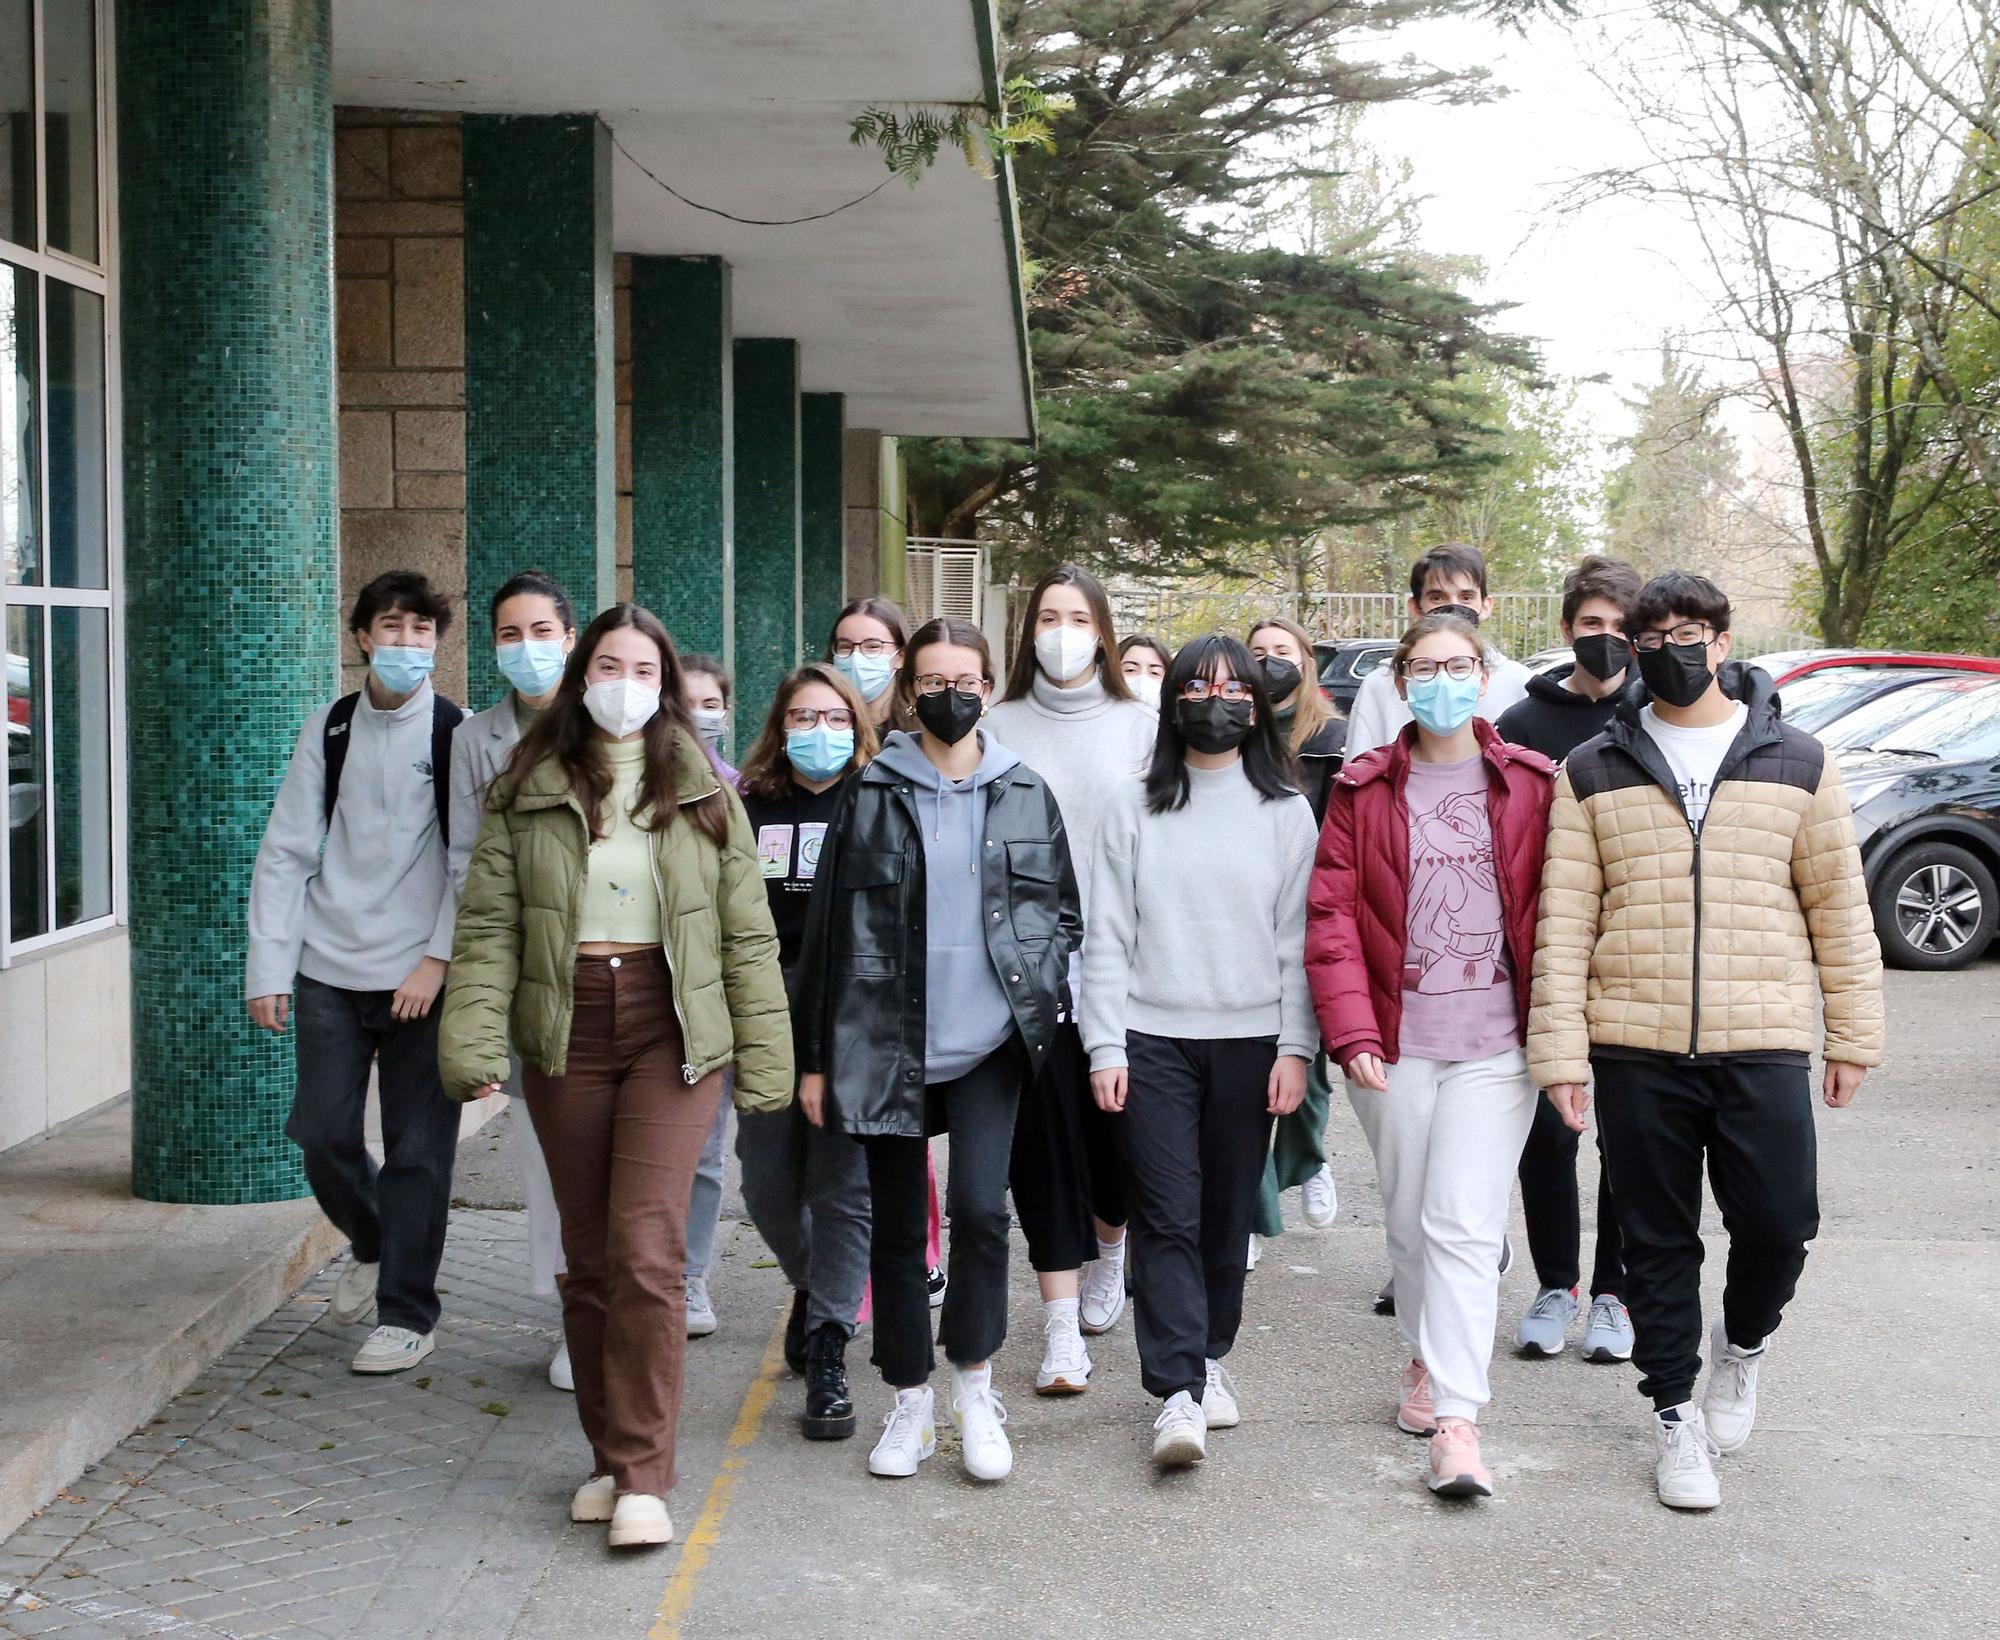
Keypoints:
pixel 400 591
pixel 1694 597
pixel 1265 759
pixel 535 583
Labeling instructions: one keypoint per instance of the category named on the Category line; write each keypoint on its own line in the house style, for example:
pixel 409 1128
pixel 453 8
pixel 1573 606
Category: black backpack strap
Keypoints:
pixel 333 747
pixel 446 716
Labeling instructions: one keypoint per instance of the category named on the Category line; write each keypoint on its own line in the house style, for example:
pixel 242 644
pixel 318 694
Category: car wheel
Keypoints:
pixel 1935 907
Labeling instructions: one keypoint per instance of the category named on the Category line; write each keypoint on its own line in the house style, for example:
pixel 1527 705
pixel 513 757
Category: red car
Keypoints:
pixel 1784 665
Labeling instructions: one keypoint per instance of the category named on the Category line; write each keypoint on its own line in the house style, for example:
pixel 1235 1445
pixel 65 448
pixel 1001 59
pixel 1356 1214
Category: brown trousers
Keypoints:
pixel 622 1130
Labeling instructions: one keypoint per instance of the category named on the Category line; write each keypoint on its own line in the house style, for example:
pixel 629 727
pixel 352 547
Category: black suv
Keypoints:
pixel 1344 662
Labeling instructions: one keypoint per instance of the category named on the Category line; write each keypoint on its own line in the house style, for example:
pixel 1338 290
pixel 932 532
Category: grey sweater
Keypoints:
pixel 966 1013
pixel 1197 925
pixel 356 904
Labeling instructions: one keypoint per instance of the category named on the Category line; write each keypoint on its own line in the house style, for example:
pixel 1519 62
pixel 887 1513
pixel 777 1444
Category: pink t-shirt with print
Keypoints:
pixel 1458 991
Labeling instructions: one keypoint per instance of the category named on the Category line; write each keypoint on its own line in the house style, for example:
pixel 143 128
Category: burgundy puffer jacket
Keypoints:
pixel 1358 909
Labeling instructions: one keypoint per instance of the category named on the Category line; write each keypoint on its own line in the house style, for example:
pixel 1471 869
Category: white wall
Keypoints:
pixel 65 1034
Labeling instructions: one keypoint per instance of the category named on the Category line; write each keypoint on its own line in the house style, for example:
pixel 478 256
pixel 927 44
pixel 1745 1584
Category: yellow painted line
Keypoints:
pixel 679 1593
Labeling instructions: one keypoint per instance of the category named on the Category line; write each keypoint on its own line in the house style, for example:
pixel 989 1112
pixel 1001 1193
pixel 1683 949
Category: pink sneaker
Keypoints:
pixel 1456 1471
pixel 1414 1415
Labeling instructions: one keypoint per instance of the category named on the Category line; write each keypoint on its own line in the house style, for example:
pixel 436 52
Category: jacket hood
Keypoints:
pixel 1549 688
pixel 901 755
pixel 547 785
pixel 1394 758
pixel 1752 685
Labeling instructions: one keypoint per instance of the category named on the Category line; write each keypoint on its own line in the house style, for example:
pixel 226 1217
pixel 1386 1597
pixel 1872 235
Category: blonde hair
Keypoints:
pixel 1311 711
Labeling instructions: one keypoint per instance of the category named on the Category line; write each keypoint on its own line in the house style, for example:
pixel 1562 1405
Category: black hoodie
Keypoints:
pixel 1554 720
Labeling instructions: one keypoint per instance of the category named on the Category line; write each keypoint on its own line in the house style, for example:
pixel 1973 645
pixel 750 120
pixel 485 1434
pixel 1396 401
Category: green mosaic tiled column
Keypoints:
pixel 541 480
pixel 683 441
pixel 225 133
pixel 822 512
pixel 767 521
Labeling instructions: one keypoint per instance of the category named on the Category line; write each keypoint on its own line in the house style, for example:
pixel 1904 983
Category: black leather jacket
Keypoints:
pixel 861 992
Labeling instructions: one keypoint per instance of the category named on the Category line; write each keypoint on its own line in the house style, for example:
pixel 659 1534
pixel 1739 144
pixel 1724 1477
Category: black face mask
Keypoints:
pixel 1213 725
pixel 1678 674
pixel 1603 655
pixel 1281 677
pixel 1465 612
pixel 949 715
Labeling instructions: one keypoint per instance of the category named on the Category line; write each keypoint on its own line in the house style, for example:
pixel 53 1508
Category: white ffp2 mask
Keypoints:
pixel 1065 652
pixel 621 706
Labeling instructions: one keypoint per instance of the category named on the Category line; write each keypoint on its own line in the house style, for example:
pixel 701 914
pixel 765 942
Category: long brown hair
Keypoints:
pixel 767 771
pixel 1021 674
pixel 1310 710
pixel 901 713
pixel 566 733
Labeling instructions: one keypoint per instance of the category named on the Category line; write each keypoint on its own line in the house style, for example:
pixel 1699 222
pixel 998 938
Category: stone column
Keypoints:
pixel 540 421
pixel 225 128
pixel 683 444
pixel 822 515
pixel 861 450
pixel 767 522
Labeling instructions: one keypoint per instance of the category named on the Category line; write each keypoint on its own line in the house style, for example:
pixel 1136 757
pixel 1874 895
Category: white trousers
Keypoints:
pixel 1447 1138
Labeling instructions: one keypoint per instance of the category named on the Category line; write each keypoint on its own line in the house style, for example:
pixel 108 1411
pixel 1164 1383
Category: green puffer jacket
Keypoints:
pixel 513 962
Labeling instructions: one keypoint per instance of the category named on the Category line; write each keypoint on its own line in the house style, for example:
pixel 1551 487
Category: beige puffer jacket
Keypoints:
pixel 1654 940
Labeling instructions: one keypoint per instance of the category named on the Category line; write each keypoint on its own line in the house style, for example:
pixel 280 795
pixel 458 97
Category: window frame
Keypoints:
pixel 101 281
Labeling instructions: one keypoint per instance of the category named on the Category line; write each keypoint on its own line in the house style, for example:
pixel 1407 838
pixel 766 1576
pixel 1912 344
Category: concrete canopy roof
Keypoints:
pixel 909 302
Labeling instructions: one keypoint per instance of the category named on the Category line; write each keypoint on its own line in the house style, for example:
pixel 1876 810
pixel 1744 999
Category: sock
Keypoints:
pixel 1113 1251
pixel 1672 1414
pixel 1055 1308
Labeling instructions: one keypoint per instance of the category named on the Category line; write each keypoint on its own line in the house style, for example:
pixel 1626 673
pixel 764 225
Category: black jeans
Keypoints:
pixel 1066 1163
pixel 1196 1128
pixel 395 1216
pixel 1754 1123
pixel 977 1110
pixel 1549 1203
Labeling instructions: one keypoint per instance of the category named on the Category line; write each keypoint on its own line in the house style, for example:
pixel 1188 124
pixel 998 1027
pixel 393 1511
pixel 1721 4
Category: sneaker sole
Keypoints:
pixel 1692 1505
pixel 1602 1354
pixel 646 1537
pixel 702 1329
pixel 1412 1429
pixel 928 1449
pixel 389 1369
pixel 342 1318
pixel 1225 1423
pixel 1062 1386
pixel 1459 1486
pixel 1736 1445
pixel 1096 1329
pixel 1537 1352
pixel 1180 1454
pixel 828 1429
pixel 592 1517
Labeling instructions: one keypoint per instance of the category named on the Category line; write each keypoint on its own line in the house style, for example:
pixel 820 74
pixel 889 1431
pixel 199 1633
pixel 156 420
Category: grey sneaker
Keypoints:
pixel 1608 1336
pixel 1545 1328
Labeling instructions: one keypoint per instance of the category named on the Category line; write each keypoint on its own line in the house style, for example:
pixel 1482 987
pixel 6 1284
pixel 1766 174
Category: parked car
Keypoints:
pixel 1876 722
pixel 1344 662
pixel 1785 665
pixel 1559 659
pixel 1926 796
pixel 1817 700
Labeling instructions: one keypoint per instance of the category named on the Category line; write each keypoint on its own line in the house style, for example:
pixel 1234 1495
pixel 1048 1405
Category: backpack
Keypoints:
pixel 446 715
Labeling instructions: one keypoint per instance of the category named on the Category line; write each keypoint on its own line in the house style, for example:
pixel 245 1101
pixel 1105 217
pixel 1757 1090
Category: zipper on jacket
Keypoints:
pixel 673 979
pixel 1694 1001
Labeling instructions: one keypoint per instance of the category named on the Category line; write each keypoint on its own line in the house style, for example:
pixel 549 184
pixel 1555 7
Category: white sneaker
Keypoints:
pixel 1256 1251
pixel 561 1374
pixel 1180 1433
pixel 700 1312
pixel 640 1521
pixel 1685 1470
pixel 908 1435
pixel 1065 1368
pixel 1218 1399
pixel 393 1349
pixel 595 1499
pixel 1729 1404
pixel 354 1294
pixel 977 1410
pixel 1320 1200
pixel 1102 1299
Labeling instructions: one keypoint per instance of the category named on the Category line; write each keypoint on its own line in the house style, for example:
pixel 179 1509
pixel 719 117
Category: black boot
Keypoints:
pixel 795 1335
pixel 829 1408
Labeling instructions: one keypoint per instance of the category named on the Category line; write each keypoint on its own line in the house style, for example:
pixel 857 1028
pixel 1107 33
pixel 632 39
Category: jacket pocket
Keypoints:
pixel 1034 891
pixel 869 920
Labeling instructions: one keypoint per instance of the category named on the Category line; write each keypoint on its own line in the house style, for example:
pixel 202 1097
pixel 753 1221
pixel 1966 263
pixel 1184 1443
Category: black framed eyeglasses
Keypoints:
pixel 936 683
pixel 1421 669
pixel 1685 636
pixel 804 717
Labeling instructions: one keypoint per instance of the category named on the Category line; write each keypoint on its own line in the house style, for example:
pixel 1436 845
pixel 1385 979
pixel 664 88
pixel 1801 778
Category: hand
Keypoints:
pixel 1366 1070
pixel 1287 1086
pixel 415 995
pixel 1110 1088
pixel 1843 1082
pixel 1571 1100
pixel 270 1013
pixel 812 1098
pixel 488 1091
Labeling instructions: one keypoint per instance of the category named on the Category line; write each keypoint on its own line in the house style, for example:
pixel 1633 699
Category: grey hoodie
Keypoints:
pixel 966 1014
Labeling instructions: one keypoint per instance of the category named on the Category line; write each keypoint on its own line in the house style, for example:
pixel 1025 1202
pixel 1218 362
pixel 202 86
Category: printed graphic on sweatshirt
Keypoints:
pixel 1456 941
pixel 811 836
pixel 774 850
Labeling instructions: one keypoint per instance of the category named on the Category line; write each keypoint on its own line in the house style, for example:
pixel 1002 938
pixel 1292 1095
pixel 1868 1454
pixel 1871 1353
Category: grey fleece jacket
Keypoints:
pixel 966 1014
pixel 356 904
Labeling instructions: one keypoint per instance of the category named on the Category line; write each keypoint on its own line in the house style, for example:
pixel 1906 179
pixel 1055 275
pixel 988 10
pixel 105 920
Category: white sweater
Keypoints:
pixel 1197 922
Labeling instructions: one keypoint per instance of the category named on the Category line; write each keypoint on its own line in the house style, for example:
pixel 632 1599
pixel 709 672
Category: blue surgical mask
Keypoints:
pixel 533 667
pixel 1443 704
pixel 819 753
pixel 399 668
pixel 870 674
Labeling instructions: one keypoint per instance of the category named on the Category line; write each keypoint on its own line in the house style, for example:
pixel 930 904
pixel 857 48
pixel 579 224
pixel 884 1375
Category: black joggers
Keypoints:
pixel 1548 1203
pixel 1196 1129
pixel 1659 1118
pixel 1066 1166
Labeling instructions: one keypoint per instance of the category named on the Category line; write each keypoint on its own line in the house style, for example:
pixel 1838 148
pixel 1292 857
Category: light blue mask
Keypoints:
pixel 819 753
pixel 1444 704
pixel 399 668
pixel 533 667
pixel 870 674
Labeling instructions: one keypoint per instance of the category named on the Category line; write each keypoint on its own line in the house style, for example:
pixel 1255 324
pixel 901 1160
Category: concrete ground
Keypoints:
pixel 282 1495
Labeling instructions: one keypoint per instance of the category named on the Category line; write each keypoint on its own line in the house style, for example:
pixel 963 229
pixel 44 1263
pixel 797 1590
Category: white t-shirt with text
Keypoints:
pixel 1694 755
